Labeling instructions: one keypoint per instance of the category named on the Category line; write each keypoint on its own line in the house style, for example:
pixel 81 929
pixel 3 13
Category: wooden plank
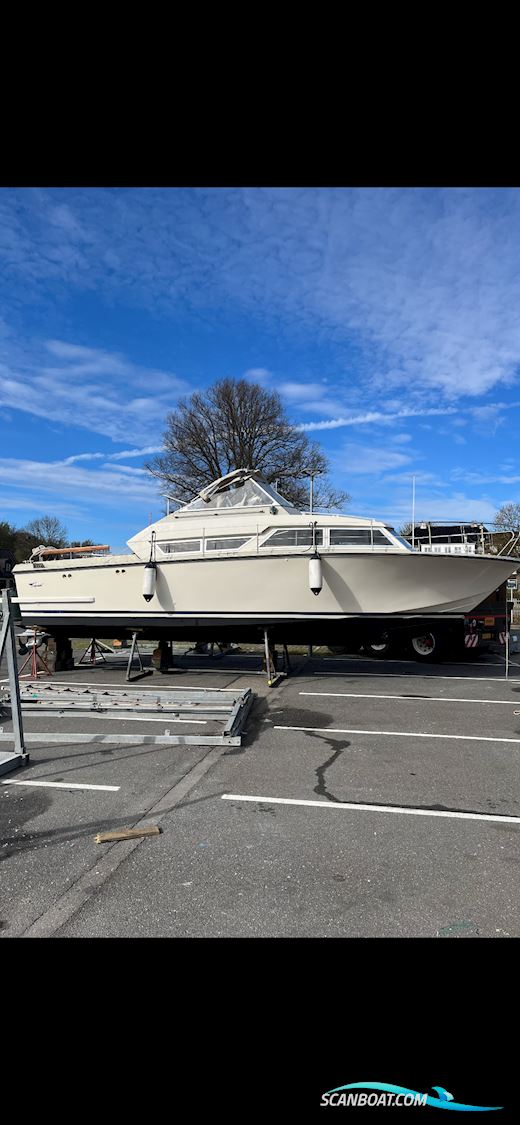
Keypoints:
pixel 127 834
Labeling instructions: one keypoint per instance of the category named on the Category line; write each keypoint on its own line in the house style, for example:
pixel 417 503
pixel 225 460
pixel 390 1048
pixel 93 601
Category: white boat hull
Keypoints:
pixel 105 597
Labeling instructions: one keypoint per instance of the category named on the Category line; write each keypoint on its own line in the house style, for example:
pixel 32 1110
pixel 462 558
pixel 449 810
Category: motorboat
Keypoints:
pixel 238 559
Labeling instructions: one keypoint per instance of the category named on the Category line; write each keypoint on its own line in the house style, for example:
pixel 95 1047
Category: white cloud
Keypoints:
pixel 257 375
pixel 36 504
pixel 421 477
pixel 456 506
pixel 372 416
pixel 301 392
pixel 423 281
pixel 135 452
pixel 82 457
pixel 127 469
pixel 116 488
pixel 371 459
pixel 469 476
pixel 93 389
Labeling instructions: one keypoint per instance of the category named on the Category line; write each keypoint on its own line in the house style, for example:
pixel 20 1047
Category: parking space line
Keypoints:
pixel 354 806
pixel 64 785
pixel 405 698
pixel 398 734
pixel 425 676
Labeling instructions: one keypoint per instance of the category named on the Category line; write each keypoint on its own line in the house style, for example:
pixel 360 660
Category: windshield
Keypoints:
pixel 250 494
pixel 400 539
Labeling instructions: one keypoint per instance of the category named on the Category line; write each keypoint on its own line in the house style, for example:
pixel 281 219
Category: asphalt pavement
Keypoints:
pixel 368 798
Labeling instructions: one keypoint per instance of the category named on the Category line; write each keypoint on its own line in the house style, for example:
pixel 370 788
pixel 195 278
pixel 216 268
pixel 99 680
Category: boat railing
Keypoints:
pixel 452 536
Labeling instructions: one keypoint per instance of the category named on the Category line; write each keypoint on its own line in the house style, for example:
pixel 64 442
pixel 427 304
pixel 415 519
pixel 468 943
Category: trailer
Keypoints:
pixel 488 623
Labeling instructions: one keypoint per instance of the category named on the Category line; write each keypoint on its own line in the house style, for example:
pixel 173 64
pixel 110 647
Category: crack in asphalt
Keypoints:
pixel 321 788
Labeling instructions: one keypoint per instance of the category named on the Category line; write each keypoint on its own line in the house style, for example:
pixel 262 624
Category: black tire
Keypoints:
pixel 426 647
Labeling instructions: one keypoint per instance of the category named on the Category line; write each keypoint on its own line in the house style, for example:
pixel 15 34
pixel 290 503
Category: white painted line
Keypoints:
pixel 399 734
pixel 64 785
pixel 408 676
pixel 371 808
pixel 405 698
pixel 446 663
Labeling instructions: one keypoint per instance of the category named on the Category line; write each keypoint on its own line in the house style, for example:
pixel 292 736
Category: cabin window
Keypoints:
pixel 358 537
pixel 296 537
pixel 180 546
pixel 228 543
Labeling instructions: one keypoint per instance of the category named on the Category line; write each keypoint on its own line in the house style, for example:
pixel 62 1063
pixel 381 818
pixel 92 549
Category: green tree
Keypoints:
pixel 235 424
pixel 7 535
pixel 24 544
pixel 17 540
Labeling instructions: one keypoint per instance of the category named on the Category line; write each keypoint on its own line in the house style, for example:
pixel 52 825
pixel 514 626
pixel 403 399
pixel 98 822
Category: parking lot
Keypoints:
pixel 368 798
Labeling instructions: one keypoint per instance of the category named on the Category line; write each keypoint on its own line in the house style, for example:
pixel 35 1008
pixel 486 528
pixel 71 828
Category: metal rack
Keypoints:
pixel 19 756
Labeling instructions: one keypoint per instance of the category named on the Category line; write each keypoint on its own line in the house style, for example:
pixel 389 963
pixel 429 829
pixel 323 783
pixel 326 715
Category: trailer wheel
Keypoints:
pixel 377 650
pixel 426 646
pixel 380 648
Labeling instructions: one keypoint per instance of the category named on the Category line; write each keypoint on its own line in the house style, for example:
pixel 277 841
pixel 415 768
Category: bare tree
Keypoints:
pixel 508 518
pixel 233 425
pixel 48 530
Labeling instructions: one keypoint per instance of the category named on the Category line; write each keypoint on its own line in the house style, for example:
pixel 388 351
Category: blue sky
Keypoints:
pixel 388 319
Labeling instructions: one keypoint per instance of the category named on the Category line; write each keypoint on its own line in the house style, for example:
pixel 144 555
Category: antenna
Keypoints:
pixel 413 513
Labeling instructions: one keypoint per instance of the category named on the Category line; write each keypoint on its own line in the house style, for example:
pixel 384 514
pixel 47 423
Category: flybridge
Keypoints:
pixel 242 488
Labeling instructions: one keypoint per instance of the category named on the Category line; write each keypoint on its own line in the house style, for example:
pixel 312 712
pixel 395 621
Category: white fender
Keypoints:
pixel 149 581
pixel 315 575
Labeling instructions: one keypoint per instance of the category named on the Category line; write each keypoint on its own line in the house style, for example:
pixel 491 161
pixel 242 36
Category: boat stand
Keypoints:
pixel 271 661
pixel 34 658
pixel 95 648
pixel 268 661
pixel 19 757
pixel 142 671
